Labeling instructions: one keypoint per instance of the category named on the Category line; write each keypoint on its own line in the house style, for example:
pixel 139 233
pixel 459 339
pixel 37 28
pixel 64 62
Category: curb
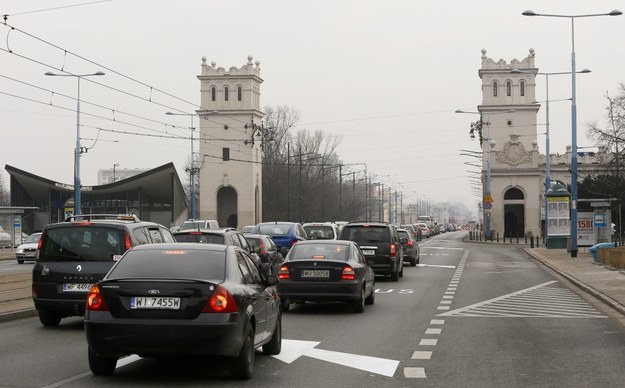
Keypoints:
pixel 583 286
pixel 19 314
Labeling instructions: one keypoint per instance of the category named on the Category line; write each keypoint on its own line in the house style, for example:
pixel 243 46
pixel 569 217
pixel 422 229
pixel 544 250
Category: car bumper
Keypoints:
pixel 207 335
pixel 319 291
pixel 68 307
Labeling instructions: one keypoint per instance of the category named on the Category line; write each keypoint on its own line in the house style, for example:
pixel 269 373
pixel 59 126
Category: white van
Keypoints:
pixel 199 224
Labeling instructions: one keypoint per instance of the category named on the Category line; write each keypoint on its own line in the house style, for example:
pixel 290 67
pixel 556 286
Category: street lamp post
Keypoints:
pixel 193 169
pixel 573 204
pixel 547 151
pixel 78 149
pixel 115 165
pixel 487 196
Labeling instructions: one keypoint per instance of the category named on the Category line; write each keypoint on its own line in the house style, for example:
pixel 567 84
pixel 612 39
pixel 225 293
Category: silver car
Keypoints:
pixel 28 250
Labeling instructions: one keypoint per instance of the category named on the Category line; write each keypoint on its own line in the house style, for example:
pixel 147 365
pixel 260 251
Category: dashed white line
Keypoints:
pixel 428 342
pixel 433 331
pixel 421 355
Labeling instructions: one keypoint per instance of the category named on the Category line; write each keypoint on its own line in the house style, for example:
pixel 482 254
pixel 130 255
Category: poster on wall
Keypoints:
pixel 558 214
pixel 585 229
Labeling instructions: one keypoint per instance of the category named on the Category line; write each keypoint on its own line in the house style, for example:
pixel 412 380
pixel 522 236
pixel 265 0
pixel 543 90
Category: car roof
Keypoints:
pixel 184 246
pixel 324 242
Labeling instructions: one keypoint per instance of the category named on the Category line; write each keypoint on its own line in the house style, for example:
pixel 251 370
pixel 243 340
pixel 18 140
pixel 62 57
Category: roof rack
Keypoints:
pixel 91 217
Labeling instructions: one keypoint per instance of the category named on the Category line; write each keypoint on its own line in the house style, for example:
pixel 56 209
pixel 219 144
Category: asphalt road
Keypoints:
pixel 471 315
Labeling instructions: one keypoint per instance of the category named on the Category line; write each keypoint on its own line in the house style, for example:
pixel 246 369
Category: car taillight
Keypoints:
pixel 409 243
pixel 284 273
pixel 348 273
pixel 95 302
pixel 262 249
pixel 127 242
pixel 393 250
pixel 221 302
pixel 293 242
pixel 35 290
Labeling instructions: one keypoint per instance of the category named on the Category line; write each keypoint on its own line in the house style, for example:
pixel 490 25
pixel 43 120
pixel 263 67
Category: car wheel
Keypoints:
pixel 20 261
pixel 395 276
pixel 371 298
pixel 401 271
pixel 286 306
pixel 49 318
pixel 359 304
pixel 274 346
pixel 413 262
pixel 101 366
pixel 242 366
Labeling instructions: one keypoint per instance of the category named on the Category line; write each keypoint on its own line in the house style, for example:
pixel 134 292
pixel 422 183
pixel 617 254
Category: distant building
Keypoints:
pixel 116 174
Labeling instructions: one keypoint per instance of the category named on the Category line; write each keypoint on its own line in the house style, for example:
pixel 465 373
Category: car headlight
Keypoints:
pixel 20 250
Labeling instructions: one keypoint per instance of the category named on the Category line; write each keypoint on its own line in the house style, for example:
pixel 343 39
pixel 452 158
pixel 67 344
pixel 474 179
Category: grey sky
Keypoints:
pixel 385 76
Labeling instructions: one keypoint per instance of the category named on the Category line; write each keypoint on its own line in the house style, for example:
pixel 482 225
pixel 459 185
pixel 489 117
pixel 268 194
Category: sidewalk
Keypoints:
pixel 602 282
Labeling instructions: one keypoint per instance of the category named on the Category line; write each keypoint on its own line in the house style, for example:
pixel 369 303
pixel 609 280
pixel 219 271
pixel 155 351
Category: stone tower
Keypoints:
pixel 510 146
pixel 230 153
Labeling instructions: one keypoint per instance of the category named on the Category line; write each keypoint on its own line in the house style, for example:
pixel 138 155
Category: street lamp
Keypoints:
pixel 547 151
pixel 193 170
pixel 78 149
pixel 573 237
pixel 487 197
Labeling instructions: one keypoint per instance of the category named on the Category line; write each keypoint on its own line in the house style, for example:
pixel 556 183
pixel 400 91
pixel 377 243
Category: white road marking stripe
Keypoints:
pixel 421 355
pixel 433 331
pixel 442 308
pixel 428 342
pixel 414 373
pixel 437 322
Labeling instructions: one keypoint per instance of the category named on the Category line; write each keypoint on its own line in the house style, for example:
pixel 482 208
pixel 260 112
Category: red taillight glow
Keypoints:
pixel 393 250
pixel 221 302
pixel 348 273
pixel 409 243
pixel 95 301
pixel 262 249
pixel 284 273
pixel 293 242
pixel 127 242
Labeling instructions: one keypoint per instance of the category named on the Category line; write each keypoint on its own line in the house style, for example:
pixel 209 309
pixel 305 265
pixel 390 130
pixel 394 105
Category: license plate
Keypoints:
pixel 154 302
pixel 315 273
pixel 76 287
pixel 368 252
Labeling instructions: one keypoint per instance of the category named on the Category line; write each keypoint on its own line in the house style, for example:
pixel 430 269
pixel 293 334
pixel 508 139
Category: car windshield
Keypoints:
pixel 319 232
pixel 319 252
pixel 199 238
pixel 274 229
pixel 172 263
pixel 33 238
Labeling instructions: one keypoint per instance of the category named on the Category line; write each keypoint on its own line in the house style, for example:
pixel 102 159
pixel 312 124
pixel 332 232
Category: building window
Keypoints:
pixel 508 88
pixel 226 93
pixel 239 93
pixel 213 93
pixel 495 89
pixel 522 88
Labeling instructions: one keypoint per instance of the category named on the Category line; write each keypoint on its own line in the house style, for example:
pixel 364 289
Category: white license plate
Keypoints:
pixel 368 252
pixel 315 273
pixel 154 302
pixel 77 287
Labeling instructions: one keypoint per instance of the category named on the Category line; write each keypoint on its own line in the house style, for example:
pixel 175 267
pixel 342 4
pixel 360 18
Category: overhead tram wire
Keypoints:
pixel 151 88
pixel 6 16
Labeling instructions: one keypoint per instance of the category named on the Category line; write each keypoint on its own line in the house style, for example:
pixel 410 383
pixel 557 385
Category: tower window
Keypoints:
pixel 226 93
pixel 213 93
pixel 239 93
pixel 522 88
pixel 495 89
pixel 508 88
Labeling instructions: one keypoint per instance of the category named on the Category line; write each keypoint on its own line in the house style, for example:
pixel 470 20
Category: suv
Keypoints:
pixel 199 224
pixel 321 230
pixel 380 244
pixel 75 254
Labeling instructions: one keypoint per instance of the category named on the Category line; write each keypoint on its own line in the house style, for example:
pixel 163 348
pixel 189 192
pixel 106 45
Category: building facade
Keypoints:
pixel 513 170
pixel 230 160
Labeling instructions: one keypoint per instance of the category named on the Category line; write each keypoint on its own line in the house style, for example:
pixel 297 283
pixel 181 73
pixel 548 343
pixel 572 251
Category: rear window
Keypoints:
pixel 319 232
pixel 319 252
pixel 82 243
pixel 172 263
pixel 365 234
pixel 274 229
pixel 403 234
pixel 192 225
pixel 254 242
pixel 200 238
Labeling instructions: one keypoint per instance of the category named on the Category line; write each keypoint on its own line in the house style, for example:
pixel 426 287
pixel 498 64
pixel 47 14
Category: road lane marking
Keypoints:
pixel 428 342
pixel 436 266
pixel 433 331
pixel 414 373
pixel 421 355
pixel 294 349
pixel 437 322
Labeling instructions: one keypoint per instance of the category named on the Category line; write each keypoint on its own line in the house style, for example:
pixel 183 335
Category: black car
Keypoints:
pixel 266 249
pixel 380 244
pixel 75 254
pixel 183 299
pixel 410 246
pixel 226 236
pixel 324 270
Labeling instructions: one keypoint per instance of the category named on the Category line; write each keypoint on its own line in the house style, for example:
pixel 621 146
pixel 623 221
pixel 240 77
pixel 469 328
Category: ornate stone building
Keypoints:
pixel 230 157
pixel 511 157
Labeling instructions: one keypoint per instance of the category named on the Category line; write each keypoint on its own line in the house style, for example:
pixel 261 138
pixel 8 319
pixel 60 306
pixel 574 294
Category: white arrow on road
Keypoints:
pixel 437 266
pixel 294 349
